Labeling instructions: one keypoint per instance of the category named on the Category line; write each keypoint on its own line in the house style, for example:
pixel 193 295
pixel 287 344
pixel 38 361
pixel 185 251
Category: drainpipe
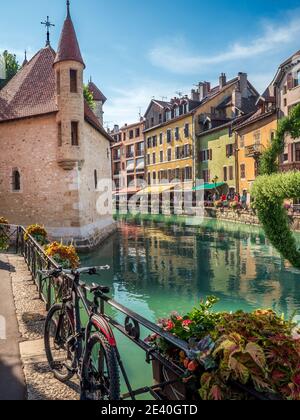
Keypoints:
pixel 237 180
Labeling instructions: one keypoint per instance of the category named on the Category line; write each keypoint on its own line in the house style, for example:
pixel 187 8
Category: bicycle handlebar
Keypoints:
pixel 59 271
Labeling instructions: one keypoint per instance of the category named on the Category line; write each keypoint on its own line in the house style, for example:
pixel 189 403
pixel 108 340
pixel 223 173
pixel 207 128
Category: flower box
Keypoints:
pixel 234 356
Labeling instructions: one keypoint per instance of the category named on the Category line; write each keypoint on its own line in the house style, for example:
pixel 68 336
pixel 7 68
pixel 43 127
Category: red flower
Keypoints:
pixel 187 323
pixel 170 325
pixel 179 318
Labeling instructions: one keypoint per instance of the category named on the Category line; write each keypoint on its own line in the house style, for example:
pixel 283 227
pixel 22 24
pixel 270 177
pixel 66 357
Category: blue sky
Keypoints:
pixel 135 50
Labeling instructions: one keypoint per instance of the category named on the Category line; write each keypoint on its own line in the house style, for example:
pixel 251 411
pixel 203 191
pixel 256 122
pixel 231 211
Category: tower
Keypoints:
pixel 69 67
pixel 99 100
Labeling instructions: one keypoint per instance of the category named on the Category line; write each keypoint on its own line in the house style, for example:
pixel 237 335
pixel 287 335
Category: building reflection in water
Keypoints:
pixel 159 268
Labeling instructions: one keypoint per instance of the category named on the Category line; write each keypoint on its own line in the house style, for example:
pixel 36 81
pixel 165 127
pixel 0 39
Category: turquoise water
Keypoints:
pixel 157 269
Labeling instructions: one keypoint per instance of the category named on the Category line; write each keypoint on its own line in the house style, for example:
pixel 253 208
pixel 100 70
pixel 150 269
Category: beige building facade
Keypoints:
pixel 54 152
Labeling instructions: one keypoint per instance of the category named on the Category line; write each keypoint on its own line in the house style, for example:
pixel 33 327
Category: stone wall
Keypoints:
pixel 63 201
pixel 245 217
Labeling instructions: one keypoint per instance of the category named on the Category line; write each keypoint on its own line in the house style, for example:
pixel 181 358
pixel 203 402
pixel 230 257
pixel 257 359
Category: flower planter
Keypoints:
pixel 175 392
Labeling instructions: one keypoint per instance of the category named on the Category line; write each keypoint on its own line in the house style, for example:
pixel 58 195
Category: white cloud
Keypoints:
pixel 125 104
pixel 176 57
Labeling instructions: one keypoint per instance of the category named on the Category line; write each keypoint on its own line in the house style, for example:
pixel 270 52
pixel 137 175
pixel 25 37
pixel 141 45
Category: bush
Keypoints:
pixel 269 193
pixel 65 256
pixel 258 350
pixel 4 234
pixel 37 232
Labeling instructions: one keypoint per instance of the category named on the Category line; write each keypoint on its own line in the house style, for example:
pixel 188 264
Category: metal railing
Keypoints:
pixel 51 290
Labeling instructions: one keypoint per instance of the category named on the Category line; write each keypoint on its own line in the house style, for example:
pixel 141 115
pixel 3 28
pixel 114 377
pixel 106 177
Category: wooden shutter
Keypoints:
pixel 210 154
pixel 290 81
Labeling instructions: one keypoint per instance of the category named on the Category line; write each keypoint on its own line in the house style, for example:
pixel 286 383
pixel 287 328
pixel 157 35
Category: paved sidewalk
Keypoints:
pixel 12 383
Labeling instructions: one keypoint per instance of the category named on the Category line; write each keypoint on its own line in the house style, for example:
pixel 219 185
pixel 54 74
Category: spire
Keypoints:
pixel 48 25
pixel 25 59
pixel 68 48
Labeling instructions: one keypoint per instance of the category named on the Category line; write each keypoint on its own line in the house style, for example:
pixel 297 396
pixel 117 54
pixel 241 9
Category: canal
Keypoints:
pixel 159 268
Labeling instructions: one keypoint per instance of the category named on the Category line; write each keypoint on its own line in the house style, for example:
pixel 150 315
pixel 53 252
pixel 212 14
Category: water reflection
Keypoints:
pixel 159 268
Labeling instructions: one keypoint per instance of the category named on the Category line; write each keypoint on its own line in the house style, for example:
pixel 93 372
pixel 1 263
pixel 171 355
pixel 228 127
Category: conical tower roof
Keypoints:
pixel 68 47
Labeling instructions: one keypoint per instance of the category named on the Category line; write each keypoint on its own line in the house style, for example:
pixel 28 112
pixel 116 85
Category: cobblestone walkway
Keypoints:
pixel 41 385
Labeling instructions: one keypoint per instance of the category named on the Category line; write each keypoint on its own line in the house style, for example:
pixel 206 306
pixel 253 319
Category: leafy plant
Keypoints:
pixel 4 234
pixel 37 232
pixel 65 256
pixel 258 350
pixel 89 97
pixel 11 67
pixel 270 191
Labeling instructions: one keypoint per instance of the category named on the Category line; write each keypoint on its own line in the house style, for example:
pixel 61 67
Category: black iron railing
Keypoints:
pixel 51 290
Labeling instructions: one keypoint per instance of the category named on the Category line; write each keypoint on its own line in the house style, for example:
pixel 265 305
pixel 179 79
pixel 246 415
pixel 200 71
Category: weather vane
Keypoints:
pixel 48 25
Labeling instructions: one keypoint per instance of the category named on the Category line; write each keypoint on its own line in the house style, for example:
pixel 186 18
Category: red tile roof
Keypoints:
pixel 97 94
pixel 68 47
pixel 32 92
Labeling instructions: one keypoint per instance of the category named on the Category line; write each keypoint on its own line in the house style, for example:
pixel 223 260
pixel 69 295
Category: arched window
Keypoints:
pixel 16 180
pixel 96 179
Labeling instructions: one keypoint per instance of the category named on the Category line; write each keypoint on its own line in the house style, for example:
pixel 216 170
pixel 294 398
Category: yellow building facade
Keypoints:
pixel 169 151
pixel 254 136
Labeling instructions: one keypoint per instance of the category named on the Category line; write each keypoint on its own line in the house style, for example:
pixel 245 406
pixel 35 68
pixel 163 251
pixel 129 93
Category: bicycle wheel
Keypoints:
pixel 100 372
pixel 59 352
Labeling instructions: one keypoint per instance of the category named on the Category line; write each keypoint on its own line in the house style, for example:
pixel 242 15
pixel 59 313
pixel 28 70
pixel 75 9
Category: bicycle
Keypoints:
pixel 89 352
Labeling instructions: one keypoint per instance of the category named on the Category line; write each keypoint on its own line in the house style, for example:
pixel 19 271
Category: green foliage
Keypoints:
pixel 4 234
pixel 259 350
pixel 287 126
pixel 11 67
pixel 271 189
pixel 269 193
pixel 89 97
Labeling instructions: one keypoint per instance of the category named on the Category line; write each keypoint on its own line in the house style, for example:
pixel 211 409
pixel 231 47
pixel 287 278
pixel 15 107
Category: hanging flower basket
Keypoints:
pixel 232 355
pixel 4 234
pixel 65 256
pixel 37 232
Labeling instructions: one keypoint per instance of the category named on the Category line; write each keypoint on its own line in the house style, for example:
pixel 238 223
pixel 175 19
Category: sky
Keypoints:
pixel 135 50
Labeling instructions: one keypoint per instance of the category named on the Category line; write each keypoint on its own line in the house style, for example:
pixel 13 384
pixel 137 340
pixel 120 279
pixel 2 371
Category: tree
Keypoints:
pixel 271 189
pixel 89 97
pixel 10 67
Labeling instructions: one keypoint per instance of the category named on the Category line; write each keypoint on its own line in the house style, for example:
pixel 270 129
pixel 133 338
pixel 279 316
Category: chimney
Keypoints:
pixel 243 83
pixel 222 80
pixel 195 95
pixel 236 99
pixel 203 89
pixel 116 128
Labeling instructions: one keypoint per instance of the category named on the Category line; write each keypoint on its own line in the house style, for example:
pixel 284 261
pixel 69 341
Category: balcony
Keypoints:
pixel 254 151
pixel 290 166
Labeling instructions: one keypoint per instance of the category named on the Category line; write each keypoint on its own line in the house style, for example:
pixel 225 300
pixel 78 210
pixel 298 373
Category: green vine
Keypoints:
pixel 288 125
pixel 269 193
pixel 271 189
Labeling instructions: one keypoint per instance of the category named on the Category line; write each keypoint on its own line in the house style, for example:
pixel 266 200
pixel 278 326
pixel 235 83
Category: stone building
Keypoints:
pixel 54 151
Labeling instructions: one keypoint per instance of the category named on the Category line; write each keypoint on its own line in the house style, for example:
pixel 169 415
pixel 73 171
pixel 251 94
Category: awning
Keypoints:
pixel 207 187
pixel 158 189
pixel 126 191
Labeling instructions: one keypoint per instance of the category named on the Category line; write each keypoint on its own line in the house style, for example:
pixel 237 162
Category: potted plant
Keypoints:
pixel 230 353
pixel 37 232
pixel 65 255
